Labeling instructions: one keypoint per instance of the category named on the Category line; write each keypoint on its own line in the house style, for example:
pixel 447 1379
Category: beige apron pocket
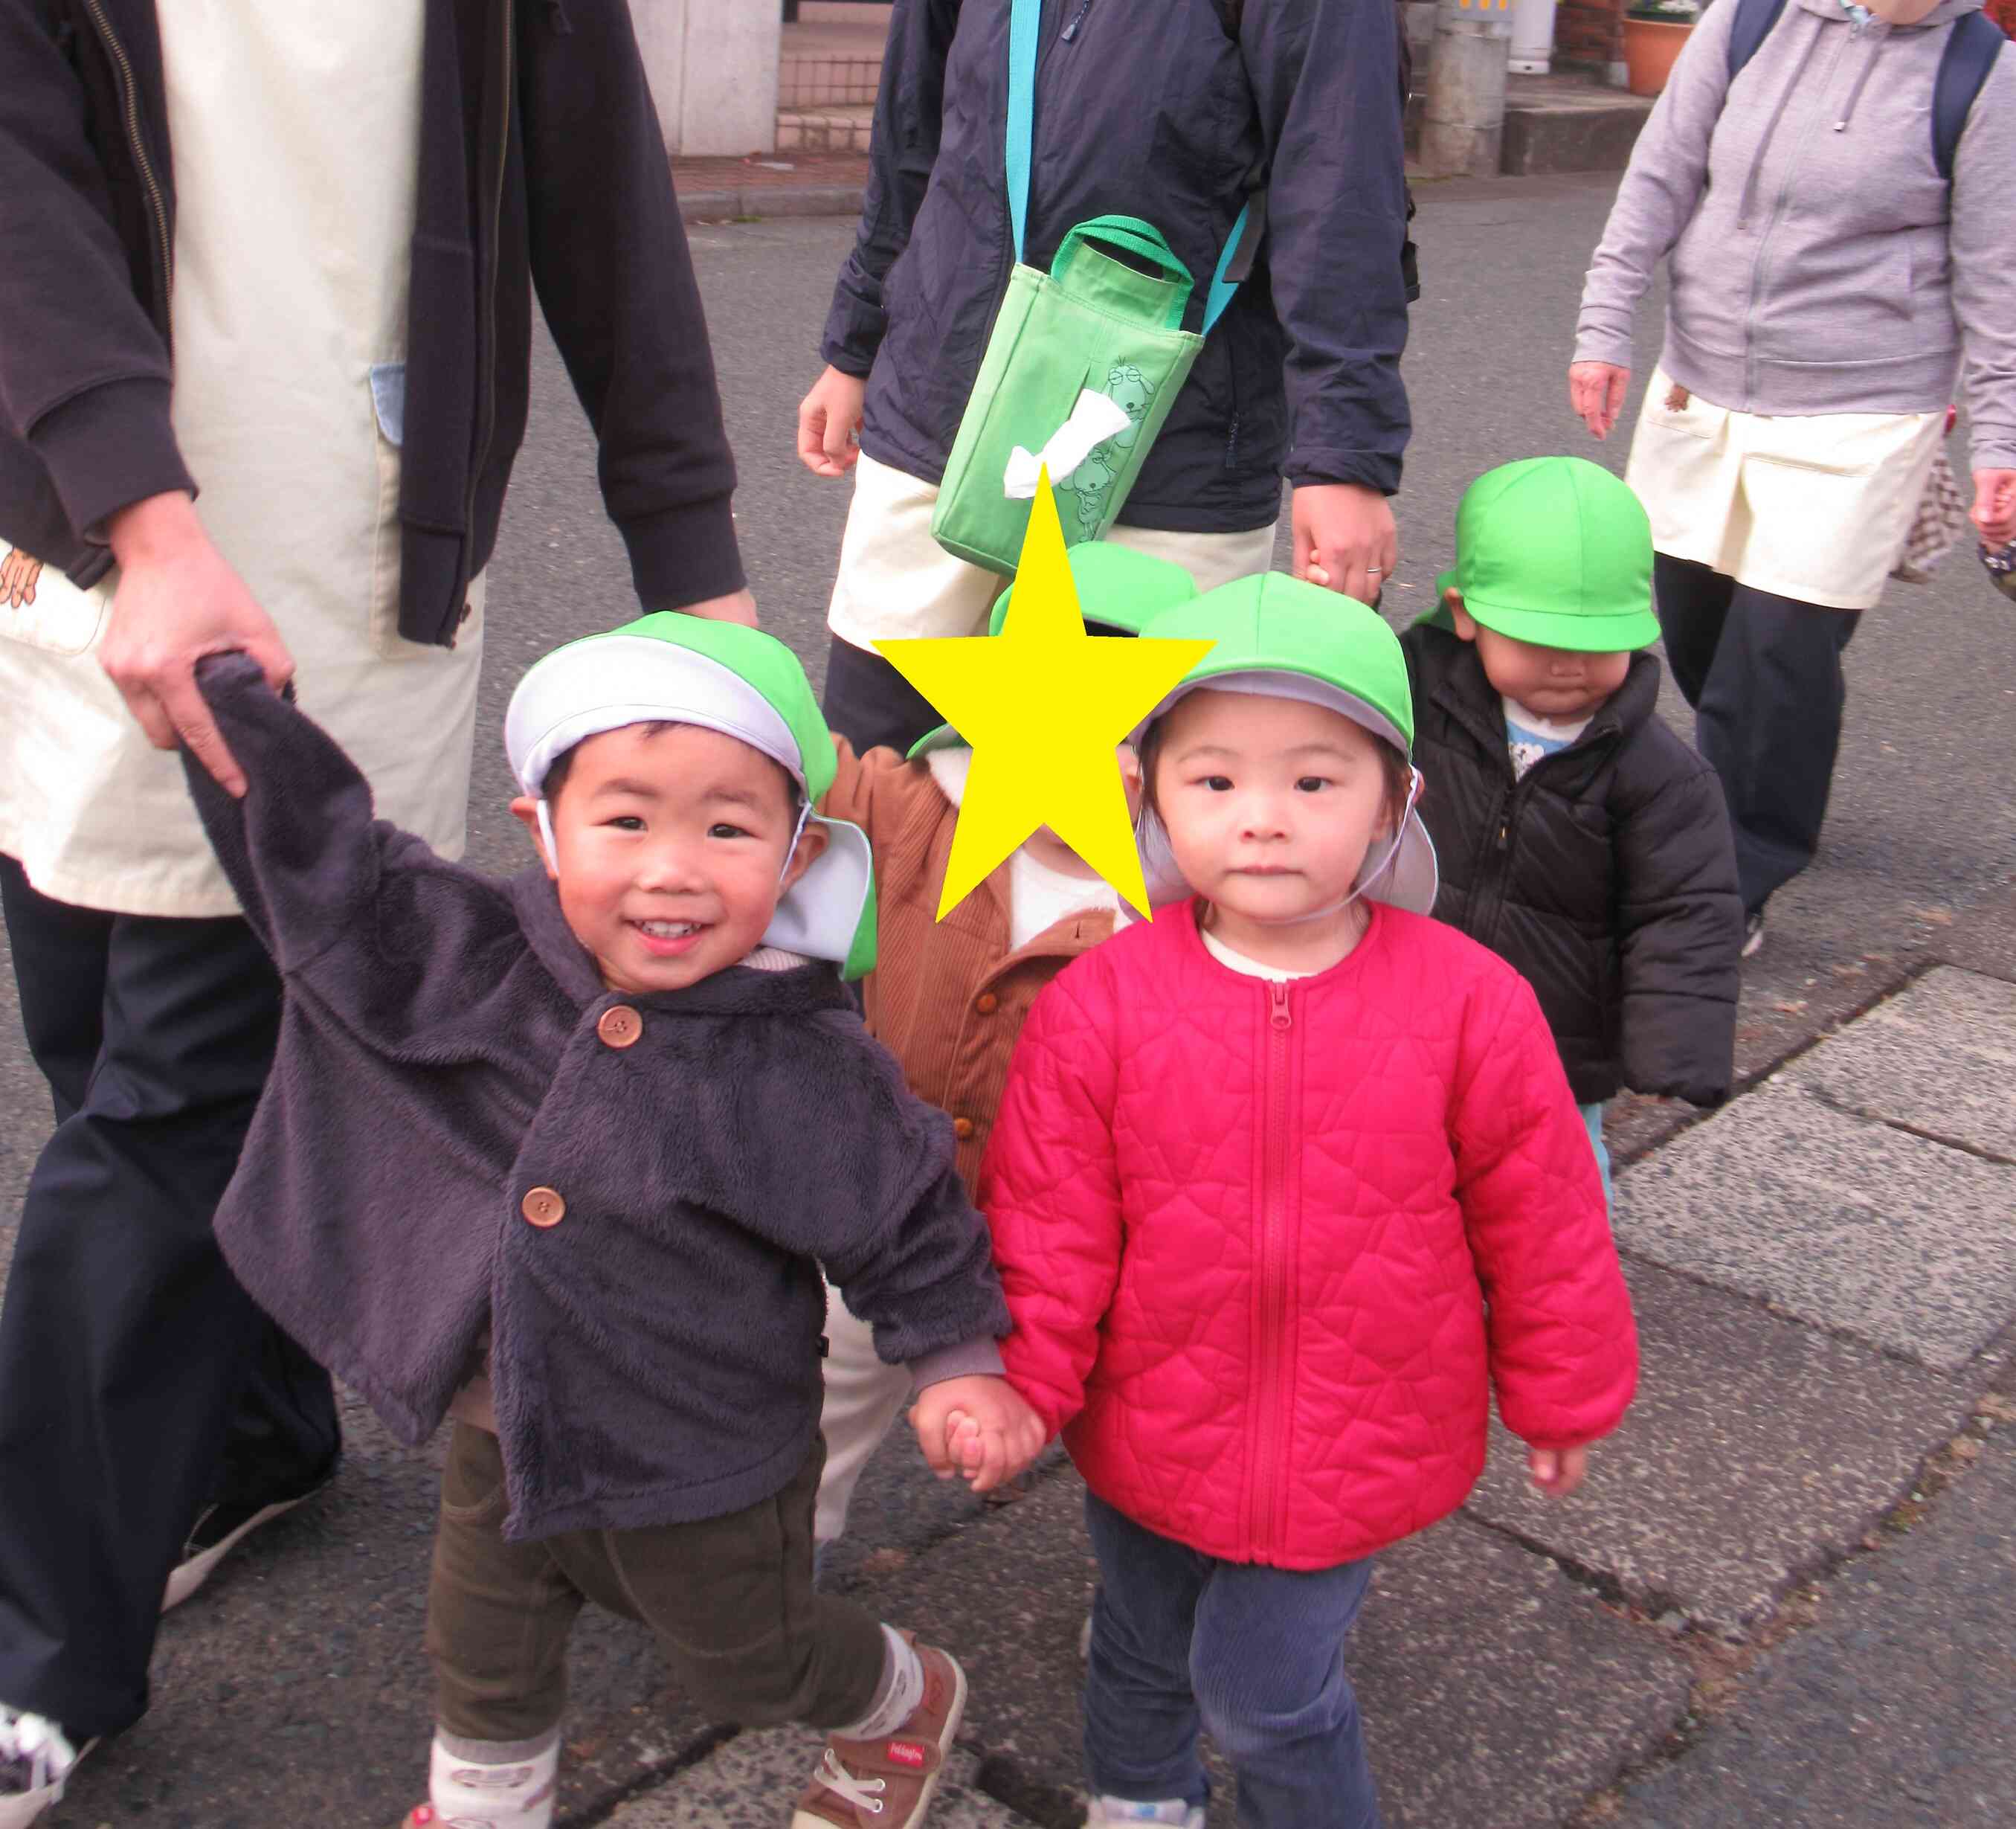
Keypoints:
pixel 62 620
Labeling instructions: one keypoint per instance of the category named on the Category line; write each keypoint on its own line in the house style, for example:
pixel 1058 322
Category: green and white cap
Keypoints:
pixel 1279 637
pixel 1119 590
pixel 720 676
pixel 1555 551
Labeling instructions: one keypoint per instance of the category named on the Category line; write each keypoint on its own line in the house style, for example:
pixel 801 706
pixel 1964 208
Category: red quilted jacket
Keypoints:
pixel 1263 1242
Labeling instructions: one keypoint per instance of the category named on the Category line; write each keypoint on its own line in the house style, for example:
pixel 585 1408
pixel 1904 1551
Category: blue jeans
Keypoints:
pixel 1256 1655
pixel 1592 1115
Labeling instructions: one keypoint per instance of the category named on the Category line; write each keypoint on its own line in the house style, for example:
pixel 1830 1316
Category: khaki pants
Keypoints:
pixel 730 1599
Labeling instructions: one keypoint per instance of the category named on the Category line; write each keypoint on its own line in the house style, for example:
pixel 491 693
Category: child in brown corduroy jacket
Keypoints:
pixel 948 998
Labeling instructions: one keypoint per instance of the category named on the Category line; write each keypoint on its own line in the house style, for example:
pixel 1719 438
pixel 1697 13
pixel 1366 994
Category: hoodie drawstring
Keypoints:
pixel 1861 81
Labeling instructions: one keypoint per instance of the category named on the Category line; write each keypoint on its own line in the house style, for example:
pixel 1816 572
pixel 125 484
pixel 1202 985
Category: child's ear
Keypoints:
pixel 1130 765
pixel 1466 623
pixel 811 843
pixel 526 810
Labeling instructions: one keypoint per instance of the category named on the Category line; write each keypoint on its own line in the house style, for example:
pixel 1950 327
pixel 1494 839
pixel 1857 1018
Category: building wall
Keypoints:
pixel 713 65
pixel 1589 33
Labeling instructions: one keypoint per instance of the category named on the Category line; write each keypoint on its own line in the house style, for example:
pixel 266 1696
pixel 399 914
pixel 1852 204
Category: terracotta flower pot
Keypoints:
pixel 1649 47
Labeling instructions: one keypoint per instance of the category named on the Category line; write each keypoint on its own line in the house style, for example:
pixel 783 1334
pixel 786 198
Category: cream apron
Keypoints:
pixel 1814 507
pixel 295 128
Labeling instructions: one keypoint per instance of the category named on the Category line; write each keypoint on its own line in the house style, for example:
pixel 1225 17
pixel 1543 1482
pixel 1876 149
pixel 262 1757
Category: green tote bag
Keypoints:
pixel 1092 352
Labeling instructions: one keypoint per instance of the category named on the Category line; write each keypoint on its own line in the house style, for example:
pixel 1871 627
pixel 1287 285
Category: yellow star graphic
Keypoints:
pixel 1044 706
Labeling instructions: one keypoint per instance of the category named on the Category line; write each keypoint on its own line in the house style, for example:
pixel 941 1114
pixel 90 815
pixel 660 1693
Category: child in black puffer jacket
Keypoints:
pixel 1578 837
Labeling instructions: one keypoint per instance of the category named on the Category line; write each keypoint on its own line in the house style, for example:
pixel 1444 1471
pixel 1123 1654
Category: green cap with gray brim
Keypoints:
pixel 679 669
pixel 1556 551
pixel 1118 591
pixel 1280 637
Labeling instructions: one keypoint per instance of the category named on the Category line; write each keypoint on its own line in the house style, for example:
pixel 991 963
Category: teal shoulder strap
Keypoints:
pixel 1025 25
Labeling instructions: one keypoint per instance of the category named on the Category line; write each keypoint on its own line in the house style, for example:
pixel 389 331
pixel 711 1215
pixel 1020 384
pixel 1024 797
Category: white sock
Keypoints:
pixel 494 1784
pixel 896 1697
pixel 39 1743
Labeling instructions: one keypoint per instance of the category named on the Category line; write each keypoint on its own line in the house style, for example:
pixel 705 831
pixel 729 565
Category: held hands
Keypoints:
pixel 1345 539
pixel 830 424
pixel 1596 392
pixel 177 601
pixel 1557 1471
pixel 1994 512
pixel 978 1427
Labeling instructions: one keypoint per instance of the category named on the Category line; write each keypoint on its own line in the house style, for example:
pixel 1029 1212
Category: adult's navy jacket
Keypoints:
pixel 1169 111
pixel 540 159
pixel 457 1137
pixel 1606 874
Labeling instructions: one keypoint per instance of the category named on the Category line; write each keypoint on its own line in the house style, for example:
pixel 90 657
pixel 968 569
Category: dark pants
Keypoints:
pixel 870 703
pixel 1763 675
pixel 126 1344
pixel 1256 1655
pixel 730 1599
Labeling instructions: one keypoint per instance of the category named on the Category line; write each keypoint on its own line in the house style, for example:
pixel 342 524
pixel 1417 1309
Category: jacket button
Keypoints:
pixel 962 1128
pixel 987 1003
pixel 543 1207
pixel 620 1025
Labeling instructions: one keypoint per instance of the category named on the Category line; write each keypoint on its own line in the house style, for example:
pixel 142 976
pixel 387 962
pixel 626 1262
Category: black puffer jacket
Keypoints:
pixel 1607 875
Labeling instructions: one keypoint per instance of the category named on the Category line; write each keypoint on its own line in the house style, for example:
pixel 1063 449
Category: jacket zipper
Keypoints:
pixel 1760 268
pixel 157 206
pixel 1078 19
pixel 487 422
pixel 1271 1332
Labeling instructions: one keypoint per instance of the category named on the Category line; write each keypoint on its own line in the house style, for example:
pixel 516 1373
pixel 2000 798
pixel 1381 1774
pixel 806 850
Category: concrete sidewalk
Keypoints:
pixel 1825 1274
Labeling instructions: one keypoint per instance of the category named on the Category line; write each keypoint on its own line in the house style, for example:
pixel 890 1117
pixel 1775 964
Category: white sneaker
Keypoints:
pixel 36 1761
pixel 1116 1809
pixel 1753 933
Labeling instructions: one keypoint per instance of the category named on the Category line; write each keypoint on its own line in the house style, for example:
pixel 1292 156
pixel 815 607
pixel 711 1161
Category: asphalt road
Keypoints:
pixel 303 1669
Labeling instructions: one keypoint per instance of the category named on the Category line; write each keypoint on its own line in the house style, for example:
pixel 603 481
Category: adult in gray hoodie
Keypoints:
pixel 1826 281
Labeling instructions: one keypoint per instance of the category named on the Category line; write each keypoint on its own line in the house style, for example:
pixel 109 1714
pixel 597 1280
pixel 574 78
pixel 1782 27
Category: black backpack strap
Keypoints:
pixel 1753 21
pixel 1972 46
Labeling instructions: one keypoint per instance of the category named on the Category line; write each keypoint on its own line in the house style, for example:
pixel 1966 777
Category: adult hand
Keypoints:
pixel 1994 507
pixel 1345 539
pixel 1557 1471
pixel 18 573
pixel 830 424
pixel 736 606
pixel 1597 392
pixel 177 601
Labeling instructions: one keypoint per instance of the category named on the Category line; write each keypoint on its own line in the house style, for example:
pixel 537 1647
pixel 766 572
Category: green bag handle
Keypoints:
pixel 1138 238
pixel 1025 21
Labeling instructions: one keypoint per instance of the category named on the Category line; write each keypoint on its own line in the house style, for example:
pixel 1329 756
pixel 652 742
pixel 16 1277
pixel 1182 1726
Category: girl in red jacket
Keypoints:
pixel 1284 1184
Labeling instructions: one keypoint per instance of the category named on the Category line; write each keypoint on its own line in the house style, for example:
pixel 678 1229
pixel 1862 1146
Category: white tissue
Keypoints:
pixel 1097 418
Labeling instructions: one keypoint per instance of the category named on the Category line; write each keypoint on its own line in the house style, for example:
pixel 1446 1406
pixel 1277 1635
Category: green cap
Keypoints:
pixel 1119 591
pixel 1280 637
pixel 720 676
pixel 1555 551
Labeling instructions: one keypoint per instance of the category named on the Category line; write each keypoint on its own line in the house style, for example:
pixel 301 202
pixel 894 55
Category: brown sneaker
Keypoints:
pixel 889 1784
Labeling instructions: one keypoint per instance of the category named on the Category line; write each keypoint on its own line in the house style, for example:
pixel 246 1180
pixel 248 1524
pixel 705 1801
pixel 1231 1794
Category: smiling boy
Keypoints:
pixel 561 1157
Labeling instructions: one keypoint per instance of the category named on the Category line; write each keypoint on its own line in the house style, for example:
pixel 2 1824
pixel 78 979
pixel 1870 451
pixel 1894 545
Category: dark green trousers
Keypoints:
pixel 730 1599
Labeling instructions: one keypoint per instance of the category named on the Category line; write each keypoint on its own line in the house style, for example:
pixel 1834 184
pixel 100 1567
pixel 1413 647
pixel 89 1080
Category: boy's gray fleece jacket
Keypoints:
pixel 654 1354
pixel 1820 263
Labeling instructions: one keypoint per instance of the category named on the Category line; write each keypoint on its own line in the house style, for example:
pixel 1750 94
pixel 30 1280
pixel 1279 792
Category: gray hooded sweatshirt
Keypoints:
pixel 1820 263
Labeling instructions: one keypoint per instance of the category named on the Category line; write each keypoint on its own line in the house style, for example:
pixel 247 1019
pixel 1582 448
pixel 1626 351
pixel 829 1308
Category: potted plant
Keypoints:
pixel 1654 32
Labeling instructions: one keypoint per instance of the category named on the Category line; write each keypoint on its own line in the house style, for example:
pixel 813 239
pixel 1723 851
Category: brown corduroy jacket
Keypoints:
pixel 946 998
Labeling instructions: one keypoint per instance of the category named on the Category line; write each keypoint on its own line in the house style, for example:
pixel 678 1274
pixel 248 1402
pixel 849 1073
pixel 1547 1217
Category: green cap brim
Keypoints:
pixel 1576 631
